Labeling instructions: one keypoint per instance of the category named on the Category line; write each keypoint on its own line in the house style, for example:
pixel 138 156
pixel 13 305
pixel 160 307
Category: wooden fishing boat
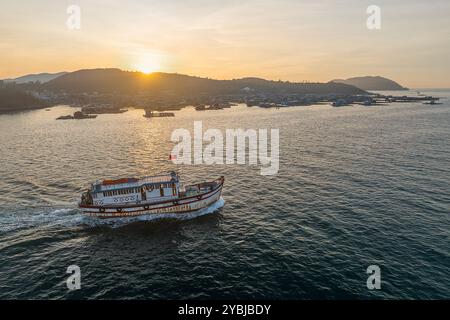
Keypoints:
pixel 159 194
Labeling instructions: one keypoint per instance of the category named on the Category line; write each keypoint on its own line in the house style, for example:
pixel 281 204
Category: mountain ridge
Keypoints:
pixel 36 77
pixel 375 83
pixel 113 80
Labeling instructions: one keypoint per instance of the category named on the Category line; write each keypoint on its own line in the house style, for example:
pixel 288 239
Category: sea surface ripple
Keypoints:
pixel 357 186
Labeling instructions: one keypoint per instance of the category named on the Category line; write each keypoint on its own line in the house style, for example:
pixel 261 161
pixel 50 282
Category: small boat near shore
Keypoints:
pixel 432 102
pixel 155 114
pixel 200 107
pixel 159 194
pixel 102 109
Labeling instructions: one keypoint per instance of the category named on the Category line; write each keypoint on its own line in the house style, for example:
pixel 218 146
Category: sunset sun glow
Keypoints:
pixel 147 67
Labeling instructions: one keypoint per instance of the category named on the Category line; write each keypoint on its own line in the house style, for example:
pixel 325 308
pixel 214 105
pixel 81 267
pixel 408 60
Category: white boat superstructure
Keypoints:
pixel 152 194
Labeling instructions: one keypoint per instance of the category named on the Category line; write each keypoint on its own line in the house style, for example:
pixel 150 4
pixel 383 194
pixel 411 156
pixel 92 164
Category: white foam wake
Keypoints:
pixel 72 217
pixel 48 217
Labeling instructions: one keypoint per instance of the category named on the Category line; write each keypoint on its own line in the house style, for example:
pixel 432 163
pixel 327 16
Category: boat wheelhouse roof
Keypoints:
pixel 108 185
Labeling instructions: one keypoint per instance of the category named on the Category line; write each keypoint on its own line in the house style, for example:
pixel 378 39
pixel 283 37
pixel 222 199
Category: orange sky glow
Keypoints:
pixel 288 40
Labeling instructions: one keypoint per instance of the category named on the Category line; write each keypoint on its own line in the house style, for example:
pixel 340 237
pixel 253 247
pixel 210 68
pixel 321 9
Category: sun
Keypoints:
pixel 146 61
pixel 146 70
pixel 148 66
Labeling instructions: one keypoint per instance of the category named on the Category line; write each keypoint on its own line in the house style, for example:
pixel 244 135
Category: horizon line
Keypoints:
pixel 212 78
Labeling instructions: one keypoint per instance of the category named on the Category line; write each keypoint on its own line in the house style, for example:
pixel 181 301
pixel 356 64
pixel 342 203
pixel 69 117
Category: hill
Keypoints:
pixel 40 77
pixel 156 84
pixel 372 83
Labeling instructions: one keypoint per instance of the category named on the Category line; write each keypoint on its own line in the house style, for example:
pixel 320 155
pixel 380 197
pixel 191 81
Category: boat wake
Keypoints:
pixel 72 217
pixel 14 219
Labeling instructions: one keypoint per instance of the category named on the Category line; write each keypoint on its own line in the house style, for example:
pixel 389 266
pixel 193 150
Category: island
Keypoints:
pixel 77 116
pixel 113 91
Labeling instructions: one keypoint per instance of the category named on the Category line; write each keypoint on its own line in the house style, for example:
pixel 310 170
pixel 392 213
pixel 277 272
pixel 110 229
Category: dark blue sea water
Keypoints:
pixel 357 186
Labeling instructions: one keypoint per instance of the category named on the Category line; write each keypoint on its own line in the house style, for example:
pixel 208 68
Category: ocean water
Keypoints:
pixel 357 186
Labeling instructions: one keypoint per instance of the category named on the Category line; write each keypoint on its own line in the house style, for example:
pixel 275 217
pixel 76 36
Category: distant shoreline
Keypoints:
pixel 21 109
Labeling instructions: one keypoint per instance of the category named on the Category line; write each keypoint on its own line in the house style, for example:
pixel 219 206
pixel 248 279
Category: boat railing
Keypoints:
pixel 162 178
pixel 205 186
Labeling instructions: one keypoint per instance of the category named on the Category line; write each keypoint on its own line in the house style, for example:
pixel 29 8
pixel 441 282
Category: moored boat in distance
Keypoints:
pixel 159 194
pixel 432 102
pixel 200 107
pixel 154 114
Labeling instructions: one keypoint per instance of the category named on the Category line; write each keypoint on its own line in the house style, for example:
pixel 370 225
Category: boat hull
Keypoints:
pixel 180 206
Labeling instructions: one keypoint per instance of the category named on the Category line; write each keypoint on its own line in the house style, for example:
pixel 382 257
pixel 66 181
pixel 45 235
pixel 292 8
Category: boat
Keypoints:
pixel 158 194
pixel 432 102
pixel 69 117
pixel 102 109
pixel 154 114
pixel 200 107
pixel 340 103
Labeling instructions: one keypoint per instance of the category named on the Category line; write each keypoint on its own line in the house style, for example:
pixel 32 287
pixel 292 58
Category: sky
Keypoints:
pixel 291 40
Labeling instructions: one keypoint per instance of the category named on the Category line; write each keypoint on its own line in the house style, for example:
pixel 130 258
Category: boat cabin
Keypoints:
pixel 133 190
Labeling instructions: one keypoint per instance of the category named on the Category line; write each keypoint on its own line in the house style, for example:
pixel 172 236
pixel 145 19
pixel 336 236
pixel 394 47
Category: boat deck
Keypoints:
pixel 100 186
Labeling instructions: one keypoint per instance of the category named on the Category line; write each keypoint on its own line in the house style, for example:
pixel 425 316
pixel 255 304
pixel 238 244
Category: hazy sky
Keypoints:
pixel 276 39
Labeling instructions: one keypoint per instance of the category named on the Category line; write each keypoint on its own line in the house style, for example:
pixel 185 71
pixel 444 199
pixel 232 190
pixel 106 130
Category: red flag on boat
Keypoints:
pixel 172 157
